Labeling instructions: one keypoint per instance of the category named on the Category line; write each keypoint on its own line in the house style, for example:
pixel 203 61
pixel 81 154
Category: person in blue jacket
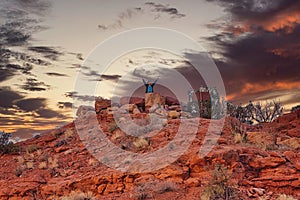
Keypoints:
pixel 149 86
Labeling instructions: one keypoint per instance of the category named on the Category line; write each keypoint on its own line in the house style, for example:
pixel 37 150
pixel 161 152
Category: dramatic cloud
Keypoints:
pixel 31 104
pixel 48 113
pixel 33 84
pixel 5 75
pixel 8 97
pixel 38 106
pixel 258 50
pixel 268 15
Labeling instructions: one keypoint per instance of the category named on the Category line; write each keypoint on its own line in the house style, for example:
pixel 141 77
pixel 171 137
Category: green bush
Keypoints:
pixel 6 146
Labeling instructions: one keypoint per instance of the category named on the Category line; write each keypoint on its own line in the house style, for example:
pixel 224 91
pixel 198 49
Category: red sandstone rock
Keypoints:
pixel 260 163
pixel 251 168
pixel 132 100
pixel 101 104
pixel 170 101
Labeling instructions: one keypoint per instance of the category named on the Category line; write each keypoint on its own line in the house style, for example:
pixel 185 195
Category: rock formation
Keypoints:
pixel 56 163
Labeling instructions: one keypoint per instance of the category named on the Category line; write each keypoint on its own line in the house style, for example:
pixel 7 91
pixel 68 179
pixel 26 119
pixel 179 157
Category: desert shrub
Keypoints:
pixel 60 143
pixel 141 142
pixel 238 130
pixel 32 148
pixel 285 197
pixel 53 162
pixel 218 187
pixel 112 126
pixel 141 193
pixel 29 165
pixel 166 186
pixel 6 146
pixel 69 134
pixel 295 108
pixel 43 165
pixel 77 195
pixel 20 169
pixel 257 112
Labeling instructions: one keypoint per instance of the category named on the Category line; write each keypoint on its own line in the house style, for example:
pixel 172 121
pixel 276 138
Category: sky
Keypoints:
pixel 48 48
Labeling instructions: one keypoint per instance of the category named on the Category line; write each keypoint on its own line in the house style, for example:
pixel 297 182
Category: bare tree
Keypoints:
pixel 266 112
pixel 256 112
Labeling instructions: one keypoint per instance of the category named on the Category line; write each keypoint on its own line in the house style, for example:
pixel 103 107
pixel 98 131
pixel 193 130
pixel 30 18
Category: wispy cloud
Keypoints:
pixel 63 105
pixel 79 96
pixel 48 52
pixel 156 10
pixel 165 8
pixel 96 76
pixel 56 74
pixel 33 84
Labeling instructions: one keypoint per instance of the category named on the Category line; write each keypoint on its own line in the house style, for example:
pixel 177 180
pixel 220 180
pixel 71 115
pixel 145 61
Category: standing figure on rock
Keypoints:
pixel 149 86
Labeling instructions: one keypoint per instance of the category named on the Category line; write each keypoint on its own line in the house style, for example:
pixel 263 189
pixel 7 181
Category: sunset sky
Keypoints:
pixel 44 43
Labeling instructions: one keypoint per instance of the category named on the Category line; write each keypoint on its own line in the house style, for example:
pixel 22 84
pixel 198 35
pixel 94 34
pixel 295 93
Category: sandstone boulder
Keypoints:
pixel 170 101
pixel 101 104
pixel 128 107
pixel 260 163
pixel 293 143
pixel 174 114
pixel 132 100
pixel 82 110
pixel 153 99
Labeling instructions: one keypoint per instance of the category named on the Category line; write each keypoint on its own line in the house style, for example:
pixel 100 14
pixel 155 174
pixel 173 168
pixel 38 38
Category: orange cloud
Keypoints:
pixel 238 29
pixel 286 21
pixel 283 21
pixel 255 88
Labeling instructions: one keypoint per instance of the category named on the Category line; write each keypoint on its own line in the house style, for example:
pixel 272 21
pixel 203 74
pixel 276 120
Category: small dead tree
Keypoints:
pixel 256 112
pixel 265 112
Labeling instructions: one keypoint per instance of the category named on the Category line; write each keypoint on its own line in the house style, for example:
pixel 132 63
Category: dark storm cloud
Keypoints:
pixel 55 74
pixel 33 84
pixel 62 105
pixel 5 75
pixel 8 97
pixel 38 106
pixel 258 9
pixel 31 104
pixel 259 49
pixel 161 8
pixel 22 7
pixel 267 56
pixel 48 113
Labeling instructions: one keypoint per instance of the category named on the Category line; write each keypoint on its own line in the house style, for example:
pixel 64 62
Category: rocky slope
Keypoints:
pixel 258 161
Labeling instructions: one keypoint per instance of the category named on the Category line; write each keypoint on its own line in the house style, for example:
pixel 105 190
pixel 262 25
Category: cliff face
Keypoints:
pixel 260 161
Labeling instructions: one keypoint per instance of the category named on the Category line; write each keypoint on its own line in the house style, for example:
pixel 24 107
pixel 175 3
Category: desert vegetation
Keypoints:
pixel 256 112
pixel 6 146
